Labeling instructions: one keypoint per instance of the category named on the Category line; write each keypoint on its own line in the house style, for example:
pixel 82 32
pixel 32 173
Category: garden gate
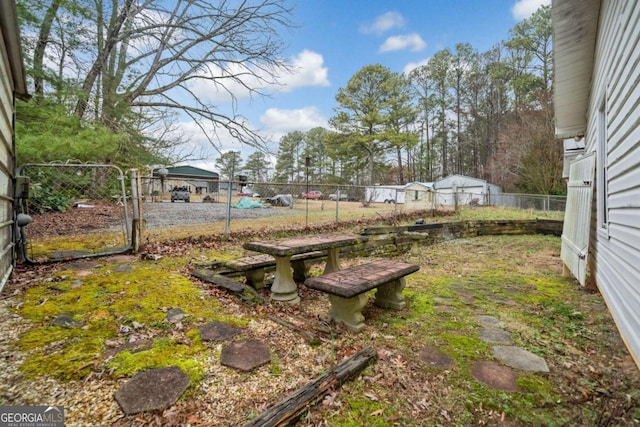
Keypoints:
pixel 76 211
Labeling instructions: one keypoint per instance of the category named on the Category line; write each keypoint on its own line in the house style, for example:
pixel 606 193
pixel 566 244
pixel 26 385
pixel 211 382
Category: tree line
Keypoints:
pixel 483 114
pixel 110 79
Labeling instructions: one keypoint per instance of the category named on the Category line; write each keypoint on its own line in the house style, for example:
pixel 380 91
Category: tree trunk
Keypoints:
pixel 98 65
pixel 38 52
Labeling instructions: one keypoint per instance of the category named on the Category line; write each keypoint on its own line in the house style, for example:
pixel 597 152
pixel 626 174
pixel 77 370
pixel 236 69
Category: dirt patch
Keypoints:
pixel 86 217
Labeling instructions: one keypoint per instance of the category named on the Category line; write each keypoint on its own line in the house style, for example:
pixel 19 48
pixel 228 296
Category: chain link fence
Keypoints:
pixel 80 210
pixel 75 211
pixel 214 200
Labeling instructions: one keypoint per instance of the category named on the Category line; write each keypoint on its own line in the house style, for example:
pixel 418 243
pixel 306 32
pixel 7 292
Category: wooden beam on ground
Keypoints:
pixel 232 286
pixel 289 409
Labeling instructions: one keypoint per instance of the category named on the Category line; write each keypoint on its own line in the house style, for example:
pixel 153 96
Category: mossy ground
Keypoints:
pixel 110 307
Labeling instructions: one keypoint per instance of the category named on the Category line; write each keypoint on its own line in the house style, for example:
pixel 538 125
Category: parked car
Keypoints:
pixel 313 194
pixel 343 196
pixel 181 193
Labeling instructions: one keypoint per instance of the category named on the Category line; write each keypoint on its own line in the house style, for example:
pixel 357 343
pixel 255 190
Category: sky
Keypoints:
pixel 334 39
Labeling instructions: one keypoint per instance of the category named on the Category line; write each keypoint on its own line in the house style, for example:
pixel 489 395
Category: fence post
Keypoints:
pixel 337 203
pixel 136 202
pixel 395 205
pixel 124 205
pixel 228 213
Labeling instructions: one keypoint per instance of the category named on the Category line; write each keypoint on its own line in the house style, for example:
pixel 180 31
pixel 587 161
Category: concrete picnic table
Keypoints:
pixel 284 288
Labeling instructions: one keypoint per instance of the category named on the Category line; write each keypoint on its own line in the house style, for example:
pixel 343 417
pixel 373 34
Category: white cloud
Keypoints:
pixel 281 122
pixel 277 122
pixel 413 65
pixel 384 22
pixel 411 41
pixel 523 9
pixel 308 70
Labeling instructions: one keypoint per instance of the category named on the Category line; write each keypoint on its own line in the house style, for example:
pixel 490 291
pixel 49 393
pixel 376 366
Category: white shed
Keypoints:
pixel 466 189
pixel 596 83
pixel 12 85
pixel 419 195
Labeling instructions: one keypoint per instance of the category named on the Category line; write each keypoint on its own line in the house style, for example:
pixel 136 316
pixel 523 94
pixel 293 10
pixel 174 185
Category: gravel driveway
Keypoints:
pixel 166 214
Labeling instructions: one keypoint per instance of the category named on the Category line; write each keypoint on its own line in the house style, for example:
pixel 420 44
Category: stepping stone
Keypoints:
pixel 245 355
pixel 464 292
pixel 175 314
pixel 488 321
pixel 443 308
pixel 496 376
pixel 66 320
pixel 123 268
pixel 495 336
pixel 520 359
pixel 152 390
pixel 467 299
pixel 444 301
pixel 504 301
pixel 217 331
pixel 434 358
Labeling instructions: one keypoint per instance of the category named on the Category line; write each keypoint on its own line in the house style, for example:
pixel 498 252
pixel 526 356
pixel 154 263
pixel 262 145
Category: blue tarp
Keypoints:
pixel 247 203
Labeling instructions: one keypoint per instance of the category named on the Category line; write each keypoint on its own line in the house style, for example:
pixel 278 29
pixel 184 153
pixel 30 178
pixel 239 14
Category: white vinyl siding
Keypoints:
pixel 6 166
pixel 615 248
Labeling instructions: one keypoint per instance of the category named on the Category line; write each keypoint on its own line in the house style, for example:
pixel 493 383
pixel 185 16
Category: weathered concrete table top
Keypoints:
pixel 284 287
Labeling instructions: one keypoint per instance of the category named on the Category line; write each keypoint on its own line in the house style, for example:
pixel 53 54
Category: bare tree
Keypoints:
pixel 157 55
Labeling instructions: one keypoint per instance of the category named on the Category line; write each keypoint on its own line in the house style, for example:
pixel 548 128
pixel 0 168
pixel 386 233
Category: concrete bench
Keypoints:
pixel 347 288
pixel 254 266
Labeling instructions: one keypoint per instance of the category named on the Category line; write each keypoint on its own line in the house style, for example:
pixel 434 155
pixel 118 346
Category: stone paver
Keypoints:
pixel 504 301
pixel 488 321
pixel 433 358
pixel 495 336
pixel 175 314
pixel 245 355
pixel 467 299
pixel 520 359
pixel 497 376
pixel 152 390
pixel 217 331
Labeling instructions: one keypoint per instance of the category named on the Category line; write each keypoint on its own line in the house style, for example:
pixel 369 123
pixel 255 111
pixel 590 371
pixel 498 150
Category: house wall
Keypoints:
pixel 7 166
pixel 614 117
